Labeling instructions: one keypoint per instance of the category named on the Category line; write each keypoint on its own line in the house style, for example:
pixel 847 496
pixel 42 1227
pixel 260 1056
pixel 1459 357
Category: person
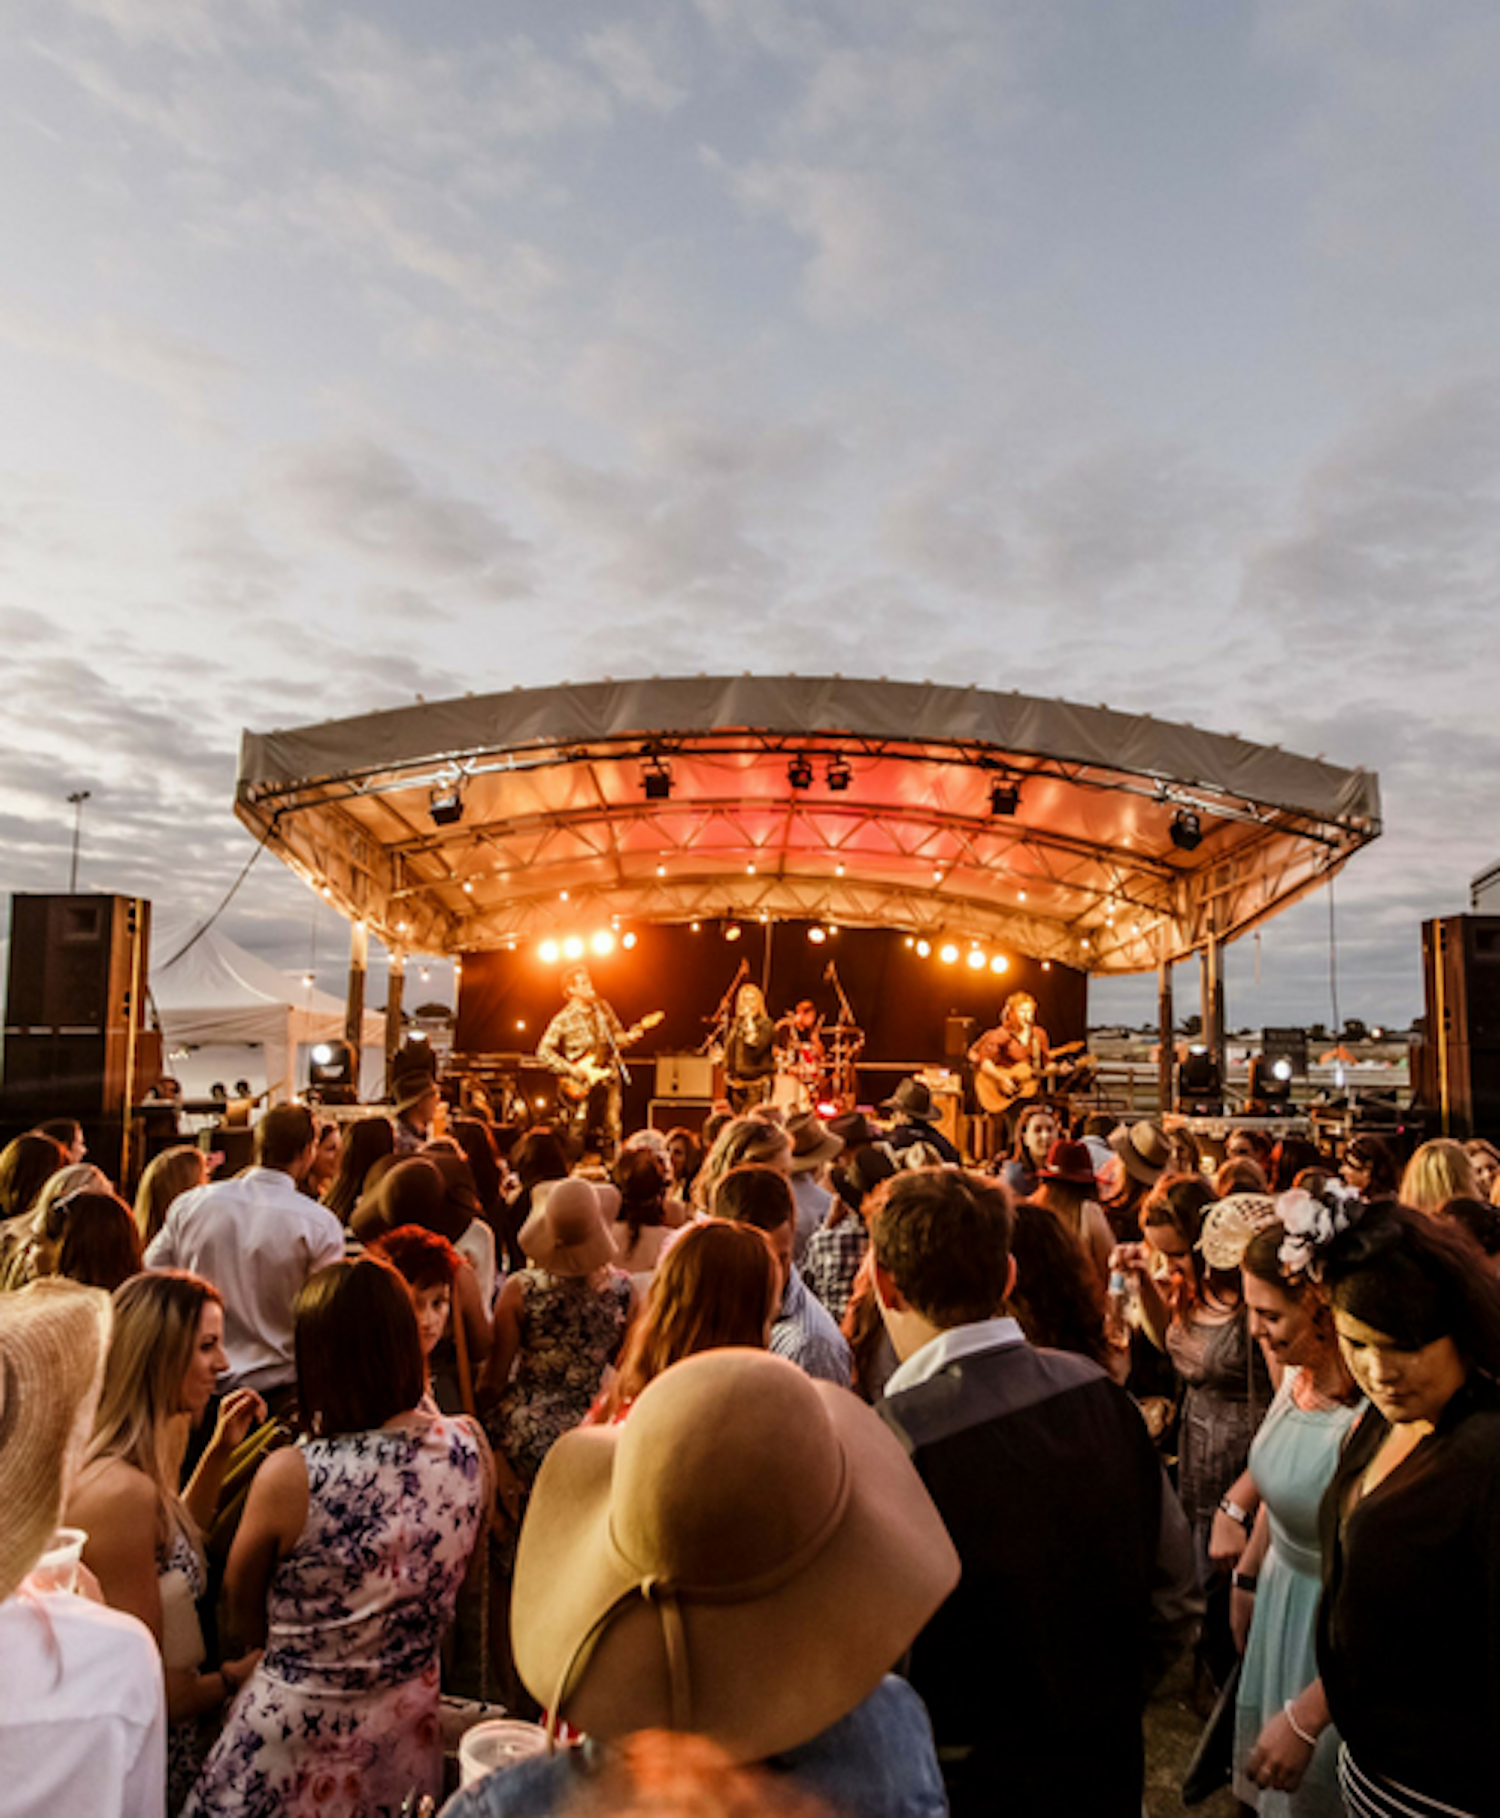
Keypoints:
pixel 319 1177
pixel 364 1142
pixel 417 1114
pixel 145 1538
pixel 1411 1569
pixel 1266 1528
pixel 581 1046
pixel 167 1176
pixel 741 1141
pixel 1484 1163
pixel 1009 1063
pixel 347 1567
pixel 428 1264
pixel 538 1157
pixel 799 1035
pixel 1068 1188
pixel 749 1050
pixel 560 1322
pixel 837 1248
pixel 717 1285
pixel 1437 1172
pixel 1034 1670
pixel 814 1147
pixel 685 1152
pixel 89 1237
pixel 641 1228
pixel 1370 1168
pixel 82 1704
pixel 803 1331
pixel 257 1239
pixel 67 1133
pixel 27 1163
pixel 914 1120
pixel 1481 1219
pixel 475 1137
pixel 1058 1299
pixel 1036 1130
pixel 28 1254
pixel 744 1559
pixel 1250 1145
pixel 1195 1314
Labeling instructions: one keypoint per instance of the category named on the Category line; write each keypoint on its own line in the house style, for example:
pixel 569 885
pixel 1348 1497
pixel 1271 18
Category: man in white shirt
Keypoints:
pixel 257 1239
pixel 82 1698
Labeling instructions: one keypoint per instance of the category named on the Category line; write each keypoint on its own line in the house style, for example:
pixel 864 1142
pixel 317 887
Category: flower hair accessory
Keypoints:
pixel 1312 1224
pixel 1230 1223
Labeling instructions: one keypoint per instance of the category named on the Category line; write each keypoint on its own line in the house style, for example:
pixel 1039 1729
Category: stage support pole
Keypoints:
pixel 354 1010
pixel 1211 975
pixel 395 979
pixel 1166 1052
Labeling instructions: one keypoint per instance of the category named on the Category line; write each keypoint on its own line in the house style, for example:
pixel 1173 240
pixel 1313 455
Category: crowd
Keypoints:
pixel 894 1484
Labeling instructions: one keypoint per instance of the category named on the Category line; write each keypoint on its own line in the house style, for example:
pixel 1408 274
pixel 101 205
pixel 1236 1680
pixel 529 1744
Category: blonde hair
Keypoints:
pixel 139 1419
pixel 169 1175
pixel 742 1140
pixel 1437 1172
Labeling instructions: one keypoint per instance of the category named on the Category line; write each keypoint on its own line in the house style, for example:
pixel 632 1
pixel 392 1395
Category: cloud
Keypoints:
pixel 641 61
pixel 353 496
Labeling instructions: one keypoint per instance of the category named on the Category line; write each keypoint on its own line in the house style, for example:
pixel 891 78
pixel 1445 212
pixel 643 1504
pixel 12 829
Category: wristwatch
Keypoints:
pixel 1244 1581
pixel 1228 1506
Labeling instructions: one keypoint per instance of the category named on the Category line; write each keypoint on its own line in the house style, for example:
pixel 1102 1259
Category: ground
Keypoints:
pixel 1172 1729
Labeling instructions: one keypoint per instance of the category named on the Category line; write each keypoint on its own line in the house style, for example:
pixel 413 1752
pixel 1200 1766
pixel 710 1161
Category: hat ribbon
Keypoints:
pixel 663 1596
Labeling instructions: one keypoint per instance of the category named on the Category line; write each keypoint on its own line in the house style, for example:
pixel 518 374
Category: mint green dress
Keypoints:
pixel 1292 1459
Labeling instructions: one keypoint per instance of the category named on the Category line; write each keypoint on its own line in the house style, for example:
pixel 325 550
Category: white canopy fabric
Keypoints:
pixel 213 992
pixel 868 803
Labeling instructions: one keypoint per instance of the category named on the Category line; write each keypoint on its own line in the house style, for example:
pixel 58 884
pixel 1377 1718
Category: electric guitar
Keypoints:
pixel 599 1065
pixel 998 1088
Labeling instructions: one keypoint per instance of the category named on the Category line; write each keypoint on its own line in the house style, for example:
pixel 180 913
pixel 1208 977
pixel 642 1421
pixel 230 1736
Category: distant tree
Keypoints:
pixel 433 1013
pixel 1317 1032
pixel 1190 1026
pixel 1355 1030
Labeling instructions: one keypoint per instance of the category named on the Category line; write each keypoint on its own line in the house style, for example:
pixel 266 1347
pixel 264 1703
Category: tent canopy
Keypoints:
pixel 1039 825
pixel 213 992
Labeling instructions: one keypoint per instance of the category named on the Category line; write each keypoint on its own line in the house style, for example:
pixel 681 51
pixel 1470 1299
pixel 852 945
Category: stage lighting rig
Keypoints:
pixel 1200 1086
pixel 839 775
pixel 799 773
pixel 1187 830
pixel 1005 796
pixel 446 806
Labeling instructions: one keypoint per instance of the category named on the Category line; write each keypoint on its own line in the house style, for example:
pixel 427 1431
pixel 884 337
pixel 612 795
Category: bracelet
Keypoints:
pixel 1297 1729
pixel 1228 1506
pixel 1244 1581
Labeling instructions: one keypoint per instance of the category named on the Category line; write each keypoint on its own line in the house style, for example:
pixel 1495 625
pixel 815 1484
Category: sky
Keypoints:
pixel 1131 353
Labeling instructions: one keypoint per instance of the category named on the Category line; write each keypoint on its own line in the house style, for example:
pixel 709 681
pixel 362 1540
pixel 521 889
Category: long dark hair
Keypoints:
pixel 364 1142
pixel 1058 1297
pixel 642 1181
pixel 1416 1279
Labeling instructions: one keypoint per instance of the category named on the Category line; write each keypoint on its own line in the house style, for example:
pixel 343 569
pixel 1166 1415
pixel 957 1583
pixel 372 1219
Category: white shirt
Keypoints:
pixel 257 1239
pixel 83 1711
pixel 949 1346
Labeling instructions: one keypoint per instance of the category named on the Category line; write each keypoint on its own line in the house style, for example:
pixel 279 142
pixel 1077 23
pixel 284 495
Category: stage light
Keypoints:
pixel 838 871
pixel 911 940
pixel 749 871
pixel 1020 896
pixel 977 958
pixel 322 1053
pixel 562 896
pixel 468 886
pixel 948 953
pixel 1281 1069
pixel 603 942
pixel 550 952
pixel 1200 1086
pixel 330 1073
pixel 999 963
pixel 1046 965
pixel 799 773
pixel 1268 1087
pixel 1186 830
pixel 572 948
pixel 839 775
pixel 661 871
pixel 923 949
pixel 1005 798
pixel 520 1025
pixel 657 782
pixel 446 806
pixel 696 926
pixel 817 936
pixel 732 932
pixel 424 975
pixel 541 1103
pixel 401 927
pixel 629 940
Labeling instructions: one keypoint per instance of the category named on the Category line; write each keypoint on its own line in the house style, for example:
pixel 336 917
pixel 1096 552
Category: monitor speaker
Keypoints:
pixel 1461 978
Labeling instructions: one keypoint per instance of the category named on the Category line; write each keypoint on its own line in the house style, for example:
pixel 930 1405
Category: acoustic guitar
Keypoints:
pixel 599 1064
pixel 998 1088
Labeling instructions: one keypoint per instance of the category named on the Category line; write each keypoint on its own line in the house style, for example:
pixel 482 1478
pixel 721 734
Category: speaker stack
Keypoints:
pixel 1460 1075
pixel 75 1041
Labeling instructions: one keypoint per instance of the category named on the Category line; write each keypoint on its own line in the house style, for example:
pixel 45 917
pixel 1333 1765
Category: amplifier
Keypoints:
pixel 684 1076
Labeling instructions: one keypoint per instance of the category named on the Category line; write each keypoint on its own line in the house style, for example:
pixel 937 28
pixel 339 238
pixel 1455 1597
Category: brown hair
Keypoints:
pixel 943 1235
pixel 359 1355
pixel 717 1285
pixel 97 1239
pixel 168 1176
pixel 754 1195
pixel 283 1135
pixel 364 1142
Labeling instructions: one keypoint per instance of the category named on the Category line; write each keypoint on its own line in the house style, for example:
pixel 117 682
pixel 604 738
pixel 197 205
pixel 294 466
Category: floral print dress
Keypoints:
pixel 341 1716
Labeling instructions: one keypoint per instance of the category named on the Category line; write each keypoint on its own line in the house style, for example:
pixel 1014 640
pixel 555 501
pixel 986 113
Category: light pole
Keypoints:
pixel 77 798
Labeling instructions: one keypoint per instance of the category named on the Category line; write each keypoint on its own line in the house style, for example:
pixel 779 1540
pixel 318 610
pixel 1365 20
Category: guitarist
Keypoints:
pixel 581 1045
pixel 1015 1051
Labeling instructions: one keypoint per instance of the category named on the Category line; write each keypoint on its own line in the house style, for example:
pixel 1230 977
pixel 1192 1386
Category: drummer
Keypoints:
pixel 803 1056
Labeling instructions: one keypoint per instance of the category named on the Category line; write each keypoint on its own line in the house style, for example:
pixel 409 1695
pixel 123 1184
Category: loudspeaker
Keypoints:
pixel 77 989
pixel 684 1076
pixel 958 1038
pixel 1461 977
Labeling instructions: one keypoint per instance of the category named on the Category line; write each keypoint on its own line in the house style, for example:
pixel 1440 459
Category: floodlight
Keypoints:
pixel 1005 797
pixel 839 775
pixel 799 773
pixel 446 806
pixel 1186 830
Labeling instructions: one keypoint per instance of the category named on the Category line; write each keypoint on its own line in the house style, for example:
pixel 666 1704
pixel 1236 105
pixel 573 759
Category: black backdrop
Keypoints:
pixel 899 999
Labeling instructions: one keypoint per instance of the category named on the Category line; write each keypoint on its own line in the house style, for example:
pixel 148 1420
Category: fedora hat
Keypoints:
pixel 913 1098
pixel 1144 1149
pixel 853 1129
pixel 412 1089
pixel 1069 1162
pixel 812 1141
pixel 745 1558
pixel 53 1339
pixel 567 1232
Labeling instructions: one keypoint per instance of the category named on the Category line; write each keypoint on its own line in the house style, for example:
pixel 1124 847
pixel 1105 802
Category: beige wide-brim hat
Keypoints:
pixel 745 1558
pixel 1145 1150
pixel 53 1339
pixel 567 1231
pixel 1230 1224
pixel 813 1143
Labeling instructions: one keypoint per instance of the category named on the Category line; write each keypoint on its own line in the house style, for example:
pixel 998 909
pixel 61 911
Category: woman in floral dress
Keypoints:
pixel 348 1562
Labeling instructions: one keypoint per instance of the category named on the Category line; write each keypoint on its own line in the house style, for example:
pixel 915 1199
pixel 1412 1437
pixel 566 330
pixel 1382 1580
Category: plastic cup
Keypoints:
pixel 500 1742
pixel 57 1569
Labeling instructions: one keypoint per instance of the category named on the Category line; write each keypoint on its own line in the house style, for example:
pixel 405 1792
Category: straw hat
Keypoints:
pixel 812 1141
pixel 567 1232
pixel 1144 1149
pixel 745 1558
pixel 53 1337
pixel 1230 1223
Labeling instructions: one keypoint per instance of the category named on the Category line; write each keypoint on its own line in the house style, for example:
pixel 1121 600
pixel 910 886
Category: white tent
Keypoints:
pixel 215 994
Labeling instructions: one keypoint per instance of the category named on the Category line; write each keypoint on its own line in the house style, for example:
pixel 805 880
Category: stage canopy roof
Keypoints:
pixel 1037 826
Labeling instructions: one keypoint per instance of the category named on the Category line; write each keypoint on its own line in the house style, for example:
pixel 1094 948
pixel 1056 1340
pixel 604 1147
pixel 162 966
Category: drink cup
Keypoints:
pixel 57 1569
pixel 498 1743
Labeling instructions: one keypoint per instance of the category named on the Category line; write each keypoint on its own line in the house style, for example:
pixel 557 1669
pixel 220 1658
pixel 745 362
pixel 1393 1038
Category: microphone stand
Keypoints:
pixel 719 1021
